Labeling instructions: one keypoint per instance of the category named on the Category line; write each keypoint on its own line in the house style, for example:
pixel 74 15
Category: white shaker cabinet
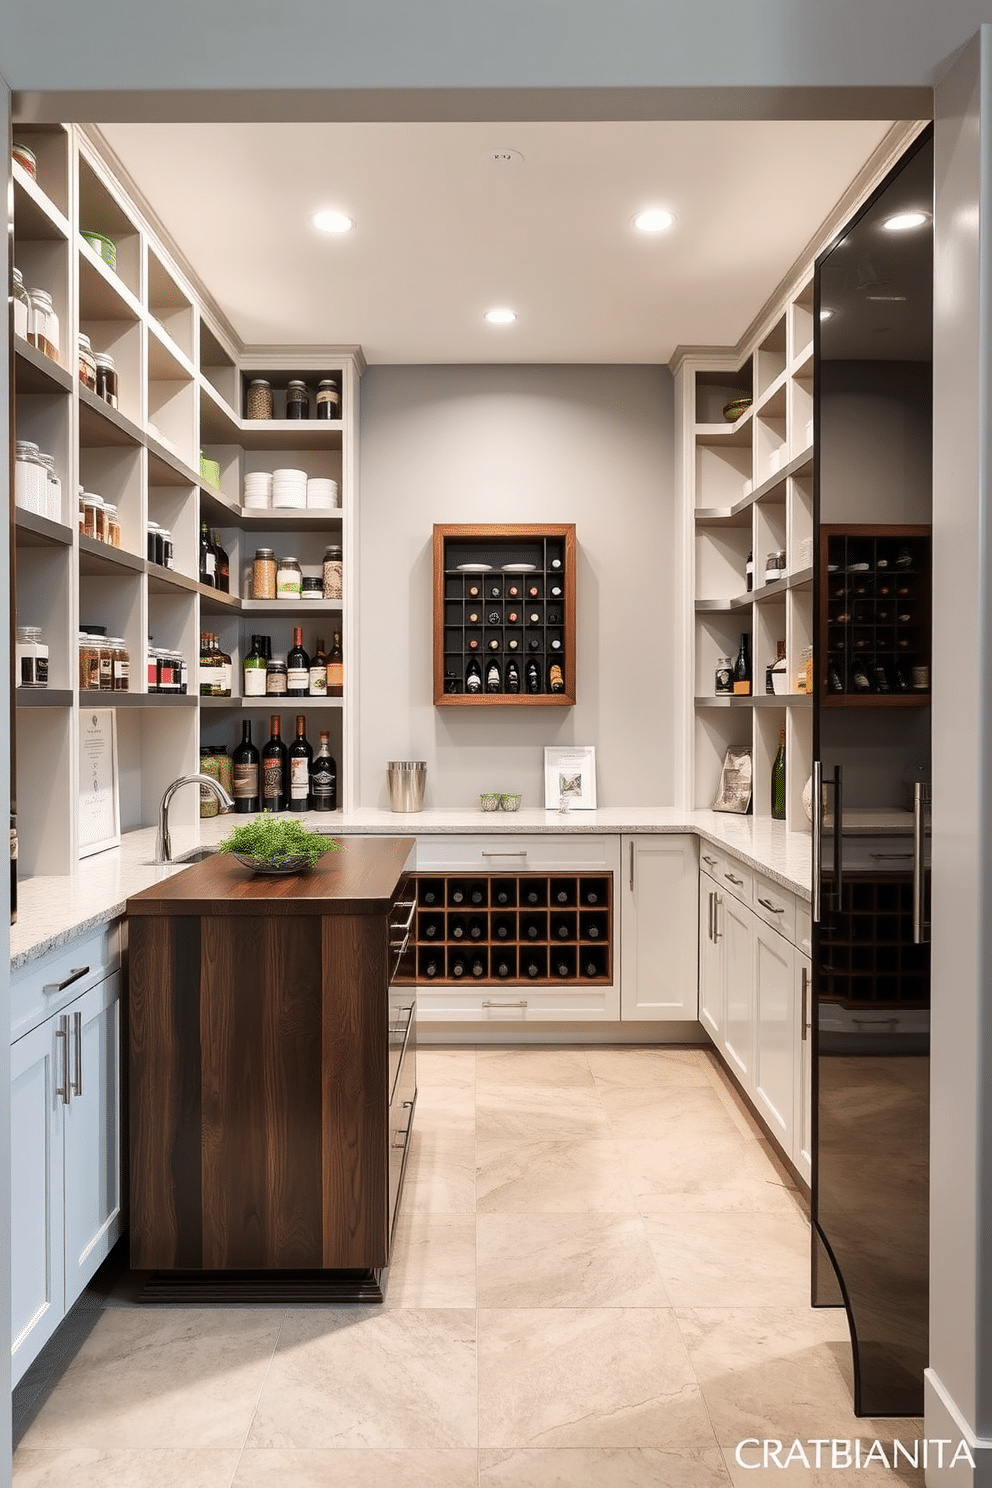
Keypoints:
pixel 37 1290
pixel 712 970
pixel 659 941
pixel 776 1032
pixel 735 925
pixel 802 1147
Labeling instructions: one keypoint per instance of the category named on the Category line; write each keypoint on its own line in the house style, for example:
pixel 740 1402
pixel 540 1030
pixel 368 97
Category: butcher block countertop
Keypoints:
pixel 359 878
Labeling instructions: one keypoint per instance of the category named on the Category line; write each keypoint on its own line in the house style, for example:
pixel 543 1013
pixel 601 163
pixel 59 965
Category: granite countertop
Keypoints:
pixel 54 909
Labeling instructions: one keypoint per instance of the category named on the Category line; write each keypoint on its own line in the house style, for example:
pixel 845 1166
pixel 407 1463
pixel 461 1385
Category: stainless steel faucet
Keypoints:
pixel 163 843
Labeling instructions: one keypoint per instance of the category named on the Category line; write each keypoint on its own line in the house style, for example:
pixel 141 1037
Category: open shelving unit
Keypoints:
pixel 181 374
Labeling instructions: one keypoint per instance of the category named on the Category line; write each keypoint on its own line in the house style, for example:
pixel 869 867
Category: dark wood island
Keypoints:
pixel 272 1076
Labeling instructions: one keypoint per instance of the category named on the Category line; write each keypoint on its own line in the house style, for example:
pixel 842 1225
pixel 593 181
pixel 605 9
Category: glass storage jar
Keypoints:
pixel 32 657
pixel 297 399
pixel 22 305
pixel 95 525
pixel 276 677
pixel 333 573
pixel 30 477
pixel 106 378
pixel 210 765
pixel 258 399
pixel 87 365
pixel 263 574
pixel 168 549
pixel 52 508
pixel 289 579
pixel 43 323
pixel 113 524
pixel 120 664
pixel 329 398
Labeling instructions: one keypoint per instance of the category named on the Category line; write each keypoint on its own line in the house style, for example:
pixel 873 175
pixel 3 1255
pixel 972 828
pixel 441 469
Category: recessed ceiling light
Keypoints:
pixel 653 220
pixel 826 314
pixel 501 317
pixel 332 222
pixel 904 221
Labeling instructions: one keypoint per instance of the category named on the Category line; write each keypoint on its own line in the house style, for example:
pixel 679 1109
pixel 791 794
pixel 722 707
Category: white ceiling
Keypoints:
pixel 443 234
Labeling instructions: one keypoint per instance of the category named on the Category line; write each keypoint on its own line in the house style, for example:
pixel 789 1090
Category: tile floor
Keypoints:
pixel 600 1281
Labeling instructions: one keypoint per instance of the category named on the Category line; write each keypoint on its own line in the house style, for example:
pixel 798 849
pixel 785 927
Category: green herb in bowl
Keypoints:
pixel 275 845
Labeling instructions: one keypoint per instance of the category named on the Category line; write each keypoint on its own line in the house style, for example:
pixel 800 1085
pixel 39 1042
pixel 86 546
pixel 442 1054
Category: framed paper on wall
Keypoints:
pixel 99 805
pixel 570 778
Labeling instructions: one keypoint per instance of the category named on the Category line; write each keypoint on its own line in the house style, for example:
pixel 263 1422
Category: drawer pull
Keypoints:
pixel 887 857
pixel 74 975
pixel 772 908
pixel 712 861
pixel 737 882
pixel 804 1011
pixel 522 854
pixel 520 1004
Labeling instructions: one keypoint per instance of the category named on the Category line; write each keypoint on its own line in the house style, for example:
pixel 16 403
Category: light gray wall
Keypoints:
pixel 585 444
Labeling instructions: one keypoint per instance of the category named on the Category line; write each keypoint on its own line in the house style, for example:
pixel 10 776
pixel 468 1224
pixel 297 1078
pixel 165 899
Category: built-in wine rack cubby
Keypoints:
pixel 868 956
pixel 875 616
pixel 504 615
pixel 498 929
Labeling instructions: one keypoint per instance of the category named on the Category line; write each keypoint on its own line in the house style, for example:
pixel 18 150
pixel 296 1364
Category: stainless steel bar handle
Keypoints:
pixel 520 1004
pixel 804 1012
pixel 62 1032
pixel 717 932
pixel 77 1039
pixel 921 804
pixel 817 804
pixel 522 854
pixel 74 975
pixel 411 905
pixel 632 867
pixel 772 908
pixel 838 834
pixel 709 922
pixel 712 861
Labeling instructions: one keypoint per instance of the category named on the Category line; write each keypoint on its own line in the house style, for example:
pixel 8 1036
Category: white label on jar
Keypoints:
pixel 20 319
pixel 254 681
pixel 299 779
pixel 297 679
pixel 275 684
pixel 288 584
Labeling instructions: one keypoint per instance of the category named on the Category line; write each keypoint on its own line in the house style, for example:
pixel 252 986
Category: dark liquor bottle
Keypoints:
pixel 245 763
pixel 532 672
pixel 323 777
pixel 297 667
pixel 222 570
pixel 300 757
pixel 512 680
pixel 749 571
pixel 274 769
pixel 208 558
pixel 473 676
pixel 556 680
pixel 778 780
pixel 494 682
pixel 860 680
pixel 317 681
pixel 335 668
pixel 742 668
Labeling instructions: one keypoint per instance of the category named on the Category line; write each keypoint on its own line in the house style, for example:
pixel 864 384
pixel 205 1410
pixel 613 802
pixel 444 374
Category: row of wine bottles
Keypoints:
pixel 502 891
pixel 505 967
pixel 496 678
pixel 215 566
pixel 504 927
pixel 280 776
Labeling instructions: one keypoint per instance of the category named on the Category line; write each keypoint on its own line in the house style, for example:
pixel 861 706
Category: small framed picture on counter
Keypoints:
pixel 99 786
pixel 570 778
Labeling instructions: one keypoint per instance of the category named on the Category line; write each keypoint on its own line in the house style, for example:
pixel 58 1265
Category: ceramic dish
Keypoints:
pixel 518 567
pixel 474 568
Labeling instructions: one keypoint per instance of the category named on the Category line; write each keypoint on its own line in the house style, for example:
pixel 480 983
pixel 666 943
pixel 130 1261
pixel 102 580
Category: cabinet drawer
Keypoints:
pixel 733 876
pixel 44 986
pixel 776 906
pixel 518 854
pixel 507 1005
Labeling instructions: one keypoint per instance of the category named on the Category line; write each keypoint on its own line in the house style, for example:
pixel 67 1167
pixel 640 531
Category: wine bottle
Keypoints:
pixel 324 777
pixel 473 676
pixel 274 768
pixel 502 969
pixel 475 929
pixel 208 558
pixel 226 670
pixel 335 668
pixel 458 894
pixel 222 565
pixel 431 930
pixel 456 929
pixel 476 894
pixel 532 896
pixel 458 967
pixel 749 571
pixel 533 970
pixel 245 763
pixel 880 676
pixel 532 931
pixel 494 644
pixel 502 930
pixel 533 675
pixel 300 757
pixel 430 970
pixel 561 896
pixel 429 895
pixel 561 968
pixel 835 681
pixel 860 680
pixel 253 670
pixel 502 897
pixel 534 644
pixel 318 671
pixel 591 969
pixel 478 967
pixel 562 930
pixel 297 666
pixel 512 679
pixel 494 682
pixel 592 931
pixel 778 780
pixel 742 668
pixel 591 896
pixel 556 681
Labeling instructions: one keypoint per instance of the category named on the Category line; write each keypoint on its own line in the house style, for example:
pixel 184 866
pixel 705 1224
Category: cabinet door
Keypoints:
pixel 93 1211
pixel 737 924
pixel 711 959
pixel 802 1147
pixel 38 1066
pixel 659 945
pixel 776 1031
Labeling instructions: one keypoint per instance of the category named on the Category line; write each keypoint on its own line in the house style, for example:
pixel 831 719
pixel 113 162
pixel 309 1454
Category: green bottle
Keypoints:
pixel 778 780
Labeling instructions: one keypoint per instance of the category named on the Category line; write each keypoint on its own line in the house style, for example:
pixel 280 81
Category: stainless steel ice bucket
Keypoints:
pixel 406 784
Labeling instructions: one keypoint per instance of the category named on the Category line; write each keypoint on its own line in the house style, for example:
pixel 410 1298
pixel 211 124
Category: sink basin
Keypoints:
pixel 196 855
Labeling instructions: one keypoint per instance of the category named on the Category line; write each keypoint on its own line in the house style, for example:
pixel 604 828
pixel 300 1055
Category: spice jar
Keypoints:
pixel 312 588
pixel 22 305
pixel 43 323
pixel 297 400
pixel 95 523
pixel 289 579
pixel 120 664
pixel 329 398
pixel 89 660
pixel 276 677
pixel 30 477
pixel 113 525
pixel 52 507
pixel 32 657
pixel 333 573
pixel 263 574
pixel 258 399
pixel 87 364
pixel 106 378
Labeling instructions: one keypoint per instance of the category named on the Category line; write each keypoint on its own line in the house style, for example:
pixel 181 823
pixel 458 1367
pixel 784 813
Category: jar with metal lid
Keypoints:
pixel 30 477
pixel 32 657
pixel 289 579
pixel 771 567
pixel 329 398
pixel 95 524
pixel 43 323
pixel 333 573
pixel 113 524
pixel 106 378
pixel 276 677
pixel 154 548
pixel 312 588
pixel 258 399
pixel 263 574
pixel 90 643
pixel 52 508
pixel 87 365
pixel 297 399
pixel 168 549
pixel 210 765
pixel 22 305
pixel 120 664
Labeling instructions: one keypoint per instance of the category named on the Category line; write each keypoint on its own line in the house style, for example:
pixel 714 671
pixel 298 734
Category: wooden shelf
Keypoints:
pixel 43 697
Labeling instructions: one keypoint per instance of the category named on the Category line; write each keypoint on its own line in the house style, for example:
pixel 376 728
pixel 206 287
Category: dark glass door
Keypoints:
pixel 871 746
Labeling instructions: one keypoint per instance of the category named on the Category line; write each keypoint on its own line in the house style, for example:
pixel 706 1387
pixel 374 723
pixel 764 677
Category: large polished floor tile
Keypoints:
pixel 350 1468
pixel 440 1170
pixel 433 1263
pixel 706 1174
pixel 546 1069
pixel 658 1068
pixel 438 1066
pixel 512 1114
pixel 94 1467
pixel 715 1260
pixel 360 1376
pixel 674 1114
pixel 587 1377
pixel 161 1377
pixel 620 1467
pixel 564 1177
pixel 566 1260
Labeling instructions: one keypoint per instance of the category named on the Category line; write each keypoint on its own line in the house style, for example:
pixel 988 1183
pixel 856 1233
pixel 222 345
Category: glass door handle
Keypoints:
pixel 817 804
pixel 921 812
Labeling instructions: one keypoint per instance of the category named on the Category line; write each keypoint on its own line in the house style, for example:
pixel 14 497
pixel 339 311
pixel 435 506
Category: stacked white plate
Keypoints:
pixel 321 492
pixel 258 488
pixel 289 488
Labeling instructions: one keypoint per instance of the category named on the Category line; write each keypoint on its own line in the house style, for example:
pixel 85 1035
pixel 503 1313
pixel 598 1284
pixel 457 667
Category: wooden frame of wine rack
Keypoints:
pixel 589 926
pixel 457 639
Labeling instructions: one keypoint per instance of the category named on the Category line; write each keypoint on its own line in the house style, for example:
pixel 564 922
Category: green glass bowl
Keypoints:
pixel 105 247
